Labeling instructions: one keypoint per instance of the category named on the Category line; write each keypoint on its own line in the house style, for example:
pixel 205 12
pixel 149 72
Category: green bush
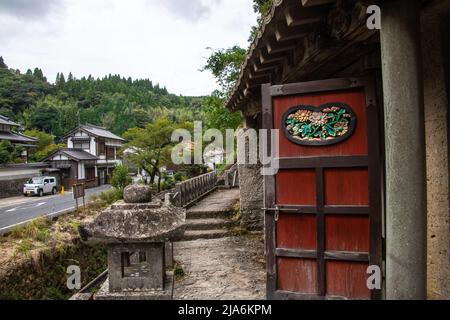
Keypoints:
pixel 111 195
pixel 120 178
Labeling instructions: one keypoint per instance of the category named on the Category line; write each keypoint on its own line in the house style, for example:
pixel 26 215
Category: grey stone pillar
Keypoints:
pixel 251 188
pixel 405 151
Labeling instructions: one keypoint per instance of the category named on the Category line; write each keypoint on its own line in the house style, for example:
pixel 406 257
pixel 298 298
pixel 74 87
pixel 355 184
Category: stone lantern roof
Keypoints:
pixel 137 220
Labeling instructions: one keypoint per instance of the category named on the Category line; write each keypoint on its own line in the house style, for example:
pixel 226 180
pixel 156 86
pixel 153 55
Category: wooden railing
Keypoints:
pixel 191 190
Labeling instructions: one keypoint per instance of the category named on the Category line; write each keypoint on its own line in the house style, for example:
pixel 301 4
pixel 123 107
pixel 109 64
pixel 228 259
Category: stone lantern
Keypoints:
pixel 135 231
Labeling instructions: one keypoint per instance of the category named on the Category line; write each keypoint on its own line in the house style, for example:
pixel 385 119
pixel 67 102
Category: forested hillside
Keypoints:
pixel 114 102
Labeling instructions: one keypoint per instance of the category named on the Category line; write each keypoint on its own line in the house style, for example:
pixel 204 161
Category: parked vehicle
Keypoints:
pixel 40 186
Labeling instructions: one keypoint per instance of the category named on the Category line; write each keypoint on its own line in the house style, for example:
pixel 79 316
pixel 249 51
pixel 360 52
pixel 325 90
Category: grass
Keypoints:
pixel 108 197
pixel 24 247
pixel 37 229
pixel 237 213
pixel 40 252
pixel 178 272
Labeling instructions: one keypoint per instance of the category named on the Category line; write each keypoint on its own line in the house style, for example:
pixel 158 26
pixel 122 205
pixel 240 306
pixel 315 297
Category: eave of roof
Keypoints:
pixel 95 131
pixel 289 39
pixel 75 154
pixel 16 137
pixel 5 120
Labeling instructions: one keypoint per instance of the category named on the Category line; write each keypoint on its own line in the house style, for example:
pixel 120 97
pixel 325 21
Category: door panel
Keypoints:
pixel 287 187
pixel 290 268
pixel 297 231
pixel 346 233
pixel 323 207
pixel 346 186
pixel 357 143
pixel 349 279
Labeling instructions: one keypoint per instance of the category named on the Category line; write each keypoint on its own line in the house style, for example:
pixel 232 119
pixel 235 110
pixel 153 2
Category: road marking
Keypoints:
pixel 49 215
pixel 30 206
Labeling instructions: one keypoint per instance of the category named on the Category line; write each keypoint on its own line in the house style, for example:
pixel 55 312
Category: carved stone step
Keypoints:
pixel 206 224
pixel 205 234
pixel 208 214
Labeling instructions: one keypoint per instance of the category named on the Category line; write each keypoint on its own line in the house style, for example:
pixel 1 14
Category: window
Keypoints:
pixel 81 145
pixel 101 147
pixel 35 180
pixel 110 152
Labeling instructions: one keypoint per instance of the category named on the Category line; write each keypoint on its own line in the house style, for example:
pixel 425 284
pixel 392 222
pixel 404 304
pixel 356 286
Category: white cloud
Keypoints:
pixel 163 41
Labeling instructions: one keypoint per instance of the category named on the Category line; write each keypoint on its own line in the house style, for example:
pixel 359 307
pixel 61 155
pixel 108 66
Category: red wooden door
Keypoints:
pixel 323 207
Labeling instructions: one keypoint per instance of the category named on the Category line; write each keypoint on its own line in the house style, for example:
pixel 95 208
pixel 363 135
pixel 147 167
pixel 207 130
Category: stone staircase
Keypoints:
pixel 210 218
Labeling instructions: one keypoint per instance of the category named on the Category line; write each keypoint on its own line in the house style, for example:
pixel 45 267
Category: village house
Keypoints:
pixel 8 132
pixel 90 157
pixel 364 157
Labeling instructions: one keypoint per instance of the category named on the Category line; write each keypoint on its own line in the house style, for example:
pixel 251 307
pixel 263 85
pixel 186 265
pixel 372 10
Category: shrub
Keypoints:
pixel 111 195
pixel 120 178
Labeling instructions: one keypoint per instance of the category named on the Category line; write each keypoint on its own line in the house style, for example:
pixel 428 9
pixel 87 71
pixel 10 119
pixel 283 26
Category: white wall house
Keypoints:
pixel 90 156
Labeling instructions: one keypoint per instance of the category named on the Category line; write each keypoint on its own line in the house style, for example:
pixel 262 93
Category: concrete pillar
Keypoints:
pixel 406 223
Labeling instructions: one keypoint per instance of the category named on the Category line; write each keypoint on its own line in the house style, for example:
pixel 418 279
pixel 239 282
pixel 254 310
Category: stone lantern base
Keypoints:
pixel 165 294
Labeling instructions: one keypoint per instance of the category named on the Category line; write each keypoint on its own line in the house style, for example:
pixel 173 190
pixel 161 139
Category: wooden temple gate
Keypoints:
pixel 324 206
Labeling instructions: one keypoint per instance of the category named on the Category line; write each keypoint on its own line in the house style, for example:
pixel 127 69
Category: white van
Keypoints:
pixel 40 186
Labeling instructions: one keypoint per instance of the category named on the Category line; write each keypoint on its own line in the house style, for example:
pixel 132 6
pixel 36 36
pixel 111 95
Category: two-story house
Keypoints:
pixel 90 156
pixel 8 132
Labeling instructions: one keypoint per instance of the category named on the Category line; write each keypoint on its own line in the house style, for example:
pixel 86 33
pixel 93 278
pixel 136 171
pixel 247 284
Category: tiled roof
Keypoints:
pixel 100 132
pixel 5 120
pixel 16 137
pixel 75 154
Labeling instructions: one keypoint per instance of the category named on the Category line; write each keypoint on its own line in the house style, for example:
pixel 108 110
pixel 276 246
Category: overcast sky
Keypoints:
pixel 164 40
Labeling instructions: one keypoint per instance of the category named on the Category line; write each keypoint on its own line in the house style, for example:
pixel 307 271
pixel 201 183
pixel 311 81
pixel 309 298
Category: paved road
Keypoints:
pixel 19 210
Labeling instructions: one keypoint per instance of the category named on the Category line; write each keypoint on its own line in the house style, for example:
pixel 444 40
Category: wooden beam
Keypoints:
pixel 285 33
pixel 296 16
pixel 259 67
pixel 258 75
pixel 273 46
pixel 265 57
pixel 254 81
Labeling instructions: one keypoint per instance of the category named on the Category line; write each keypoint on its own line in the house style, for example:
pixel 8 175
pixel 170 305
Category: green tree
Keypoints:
pixel 44 139
pixel 225 65
pixel 9 153
pixel 3 64
pixel 58 108
pixel 120 178
pixel 149 148
pixel 218 117
pixel 43 117
pixel 45 145
pixel 6 152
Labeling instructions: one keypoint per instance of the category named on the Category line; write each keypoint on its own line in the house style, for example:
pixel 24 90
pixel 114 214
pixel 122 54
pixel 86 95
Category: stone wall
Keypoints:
pixel 13 176
pixel 251 186
pixel 12 188
pixel 435 26
pixel 251 196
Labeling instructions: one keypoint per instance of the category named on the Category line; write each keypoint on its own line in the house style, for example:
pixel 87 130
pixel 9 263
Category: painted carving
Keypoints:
pixel 325 125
